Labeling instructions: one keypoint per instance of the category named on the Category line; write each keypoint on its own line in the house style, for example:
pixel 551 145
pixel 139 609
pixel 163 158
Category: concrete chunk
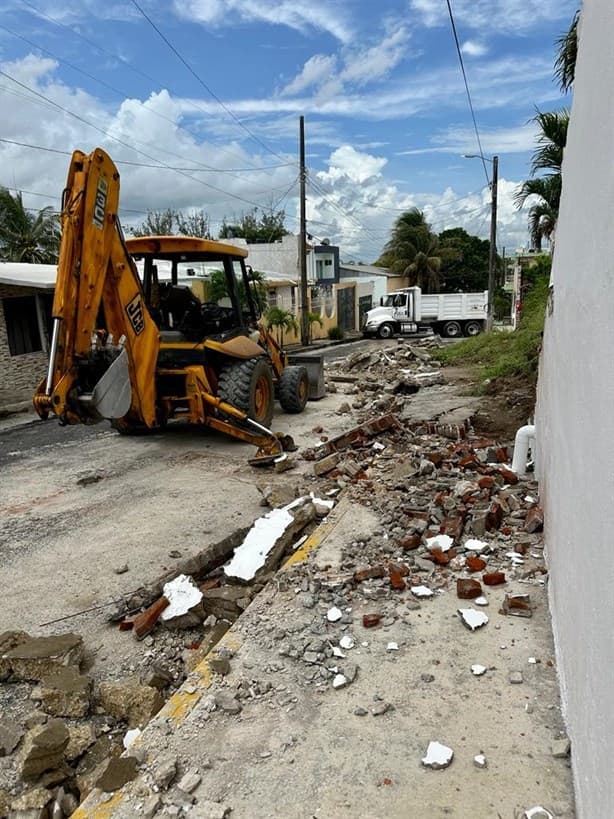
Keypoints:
pixel 128 699
pixel 43 749
pixel 65 693
pixel 37 657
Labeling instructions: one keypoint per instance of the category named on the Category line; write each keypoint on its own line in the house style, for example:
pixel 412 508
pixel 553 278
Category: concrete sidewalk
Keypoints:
pixel 274 739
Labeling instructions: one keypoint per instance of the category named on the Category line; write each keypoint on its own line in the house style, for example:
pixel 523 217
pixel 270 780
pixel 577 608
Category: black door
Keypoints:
pixel 346 311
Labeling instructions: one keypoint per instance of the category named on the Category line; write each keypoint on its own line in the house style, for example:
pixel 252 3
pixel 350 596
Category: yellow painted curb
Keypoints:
pixel 180 705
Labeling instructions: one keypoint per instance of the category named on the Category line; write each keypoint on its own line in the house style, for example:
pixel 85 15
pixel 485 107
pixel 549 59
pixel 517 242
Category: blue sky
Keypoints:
pixel 378 83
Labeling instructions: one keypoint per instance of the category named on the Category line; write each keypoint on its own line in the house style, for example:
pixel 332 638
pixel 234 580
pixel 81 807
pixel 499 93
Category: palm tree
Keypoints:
pixel 282 320
pixel 412 251
pixel 314 318
pixel 27 236
pixel 567 52
pixel 553 125
pixel 543 213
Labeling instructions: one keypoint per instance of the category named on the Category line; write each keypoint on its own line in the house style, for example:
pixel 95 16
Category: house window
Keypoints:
pixel 22 325
pixel 272 297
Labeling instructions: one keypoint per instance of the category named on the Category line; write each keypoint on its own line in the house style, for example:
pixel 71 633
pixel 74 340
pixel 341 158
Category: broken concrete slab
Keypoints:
pixel 32 804
pixel 326 464
pixel 11 734
pixel 127 699
pixel 65 693
pixel 43 749
pixel 116 773
pixel 37 657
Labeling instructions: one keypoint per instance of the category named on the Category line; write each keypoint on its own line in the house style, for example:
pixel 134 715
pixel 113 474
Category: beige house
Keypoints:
pixel 26 298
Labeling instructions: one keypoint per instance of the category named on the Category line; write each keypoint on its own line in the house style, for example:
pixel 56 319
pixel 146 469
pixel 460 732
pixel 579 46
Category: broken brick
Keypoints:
pixel 326 464
pixel 508 476
pixel 534 521
pixel 436 457
pixel 517 605
pixel 369 573
pixel 409 542
pixel 468 462
pixel 494 518
pixel 396 579
pixel 493 578
pixel 453 527
pixel 371 620
pixel 439 557
pixel 467 588
pixel 486 481
pixel 475 564
pixel 401 568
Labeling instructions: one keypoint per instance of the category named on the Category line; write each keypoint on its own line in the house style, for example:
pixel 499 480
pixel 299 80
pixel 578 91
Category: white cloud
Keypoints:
pixel 321 15
pixel 376 62
pixel 473 48
pixel 495 15
pixel 459 141
pixel 316 70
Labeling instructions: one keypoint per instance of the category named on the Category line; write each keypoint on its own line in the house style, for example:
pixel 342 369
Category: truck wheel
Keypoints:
pixel 473 328
pixel 248 386
pixel 293 389
pixel 385 331
pixel 452 329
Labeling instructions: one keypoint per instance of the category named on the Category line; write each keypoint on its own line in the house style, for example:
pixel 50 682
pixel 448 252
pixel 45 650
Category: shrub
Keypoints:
pixel 335 333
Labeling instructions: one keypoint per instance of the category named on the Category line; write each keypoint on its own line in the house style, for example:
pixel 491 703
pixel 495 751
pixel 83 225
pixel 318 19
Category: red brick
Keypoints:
pixel 493 578
pixel 467 588
pixel 368 573
pixel 475 564
pixel 371 620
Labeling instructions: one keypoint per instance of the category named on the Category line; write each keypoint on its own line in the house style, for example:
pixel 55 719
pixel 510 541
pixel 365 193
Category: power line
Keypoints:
pixel 199 79
pixel 51 196
pixel 124 95
pixel 120 59
pixel 205 169
pixel 462 66
pixel 126 144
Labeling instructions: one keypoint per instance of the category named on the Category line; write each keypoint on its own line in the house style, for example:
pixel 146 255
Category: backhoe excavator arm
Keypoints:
pixel 105 344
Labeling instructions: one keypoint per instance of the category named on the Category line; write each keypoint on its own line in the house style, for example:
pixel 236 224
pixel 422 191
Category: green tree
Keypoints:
pixel 218 288
pixel 412 251
pixel 282 320
pixel 543 212
pixel 464 261
pixel 157 223
pixel 551 140
pixel 255 227
pixel 567 53
pixel 194 223
pixel 27 236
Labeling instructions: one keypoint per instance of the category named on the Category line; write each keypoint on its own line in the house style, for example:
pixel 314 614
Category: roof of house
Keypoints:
pixel 22 274
pixel 372 269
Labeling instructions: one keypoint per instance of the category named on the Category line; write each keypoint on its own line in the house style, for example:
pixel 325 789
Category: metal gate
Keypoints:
pixel 346 310
pixel 364 303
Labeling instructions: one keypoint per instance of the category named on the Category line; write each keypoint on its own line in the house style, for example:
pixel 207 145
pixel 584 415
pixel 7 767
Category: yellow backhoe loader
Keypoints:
pixel 139 339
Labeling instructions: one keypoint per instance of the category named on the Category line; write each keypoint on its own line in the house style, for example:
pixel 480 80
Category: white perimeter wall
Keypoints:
pixel 576 420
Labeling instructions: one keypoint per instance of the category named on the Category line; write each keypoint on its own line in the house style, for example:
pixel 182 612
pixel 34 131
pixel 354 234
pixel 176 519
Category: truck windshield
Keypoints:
pixel 396 300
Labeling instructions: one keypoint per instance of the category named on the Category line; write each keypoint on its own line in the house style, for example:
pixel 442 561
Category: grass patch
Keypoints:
pixel 499 355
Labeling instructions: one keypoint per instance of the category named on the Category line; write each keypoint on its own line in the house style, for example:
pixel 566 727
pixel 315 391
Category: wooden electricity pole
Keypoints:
pixel 303 241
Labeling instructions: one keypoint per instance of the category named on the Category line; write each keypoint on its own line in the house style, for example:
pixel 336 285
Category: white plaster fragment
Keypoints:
pixel 530 499
pixel 334 614
pixel 439 542
pixel 261 538
pixel 338 653
pixel 515 557
pixel 299 543
pixel 130 737
pixel 532 660
pixel 481 600
pixel 479 760
pixel 378 446
pixel 473 545
pixel 347 642
pixel 437 756
pixel 328 503
pixel 478 669
pixel 472 618
pixel 339 681
pixel 182 594
pixel 392 647
pixel 421 591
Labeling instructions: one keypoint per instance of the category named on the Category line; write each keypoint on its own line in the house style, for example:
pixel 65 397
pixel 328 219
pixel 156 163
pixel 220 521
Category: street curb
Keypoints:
pixel 100 805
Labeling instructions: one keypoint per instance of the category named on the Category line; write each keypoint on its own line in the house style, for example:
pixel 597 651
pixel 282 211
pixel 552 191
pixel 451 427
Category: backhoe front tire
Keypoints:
pixel 248 386
pixel 293 389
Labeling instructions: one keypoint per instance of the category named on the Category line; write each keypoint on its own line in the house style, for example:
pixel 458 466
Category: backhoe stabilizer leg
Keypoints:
pixel 269 446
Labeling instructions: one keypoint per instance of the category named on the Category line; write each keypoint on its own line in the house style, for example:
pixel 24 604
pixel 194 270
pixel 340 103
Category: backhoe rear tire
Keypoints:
pixel 293 389
pixel 248 386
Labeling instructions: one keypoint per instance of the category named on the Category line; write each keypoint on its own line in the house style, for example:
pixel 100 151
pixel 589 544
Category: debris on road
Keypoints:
pixel 472 618
pixel 438 756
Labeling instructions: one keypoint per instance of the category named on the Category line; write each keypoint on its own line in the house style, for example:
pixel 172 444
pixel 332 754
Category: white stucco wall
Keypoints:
pixel 576 421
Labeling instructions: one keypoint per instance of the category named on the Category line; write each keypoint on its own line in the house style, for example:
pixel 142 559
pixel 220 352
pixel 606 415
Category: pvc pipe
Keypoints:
pixel 525 440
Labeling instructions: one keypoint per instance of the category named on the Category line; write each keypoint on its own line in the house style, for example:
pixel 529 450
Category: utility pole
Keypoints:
pixel 492 256
pixel 303 241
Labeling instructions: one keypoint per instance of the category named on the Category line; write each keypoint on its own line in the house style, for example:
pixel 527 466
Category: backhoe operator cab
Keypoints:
pixel 154 328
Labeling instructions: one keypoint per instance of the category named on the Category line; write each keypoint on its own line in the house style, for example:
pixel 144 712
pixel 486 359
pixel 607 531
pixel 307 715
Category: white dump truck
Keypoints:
pixel 408 311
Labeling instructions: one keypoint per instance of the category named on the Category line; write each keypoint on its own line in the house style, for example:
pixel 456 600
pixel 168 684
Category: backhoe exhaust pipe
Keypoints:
pixel 55 339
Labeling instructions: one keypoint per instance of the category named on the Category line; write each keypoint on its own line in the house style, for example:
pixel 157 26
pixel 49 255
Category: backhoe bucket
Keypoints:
pixel 314 364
